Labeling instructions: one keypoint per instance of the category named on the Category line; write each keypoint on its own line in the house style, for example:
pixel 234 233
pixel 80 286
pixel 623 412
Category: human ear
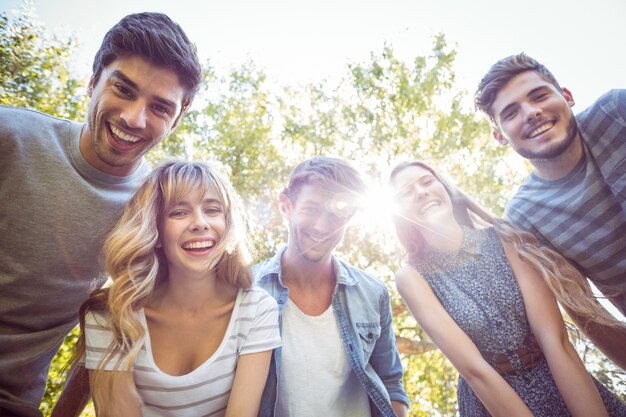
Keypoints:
pixel 568 97
pixel 286 206
pixel 183 110
pixel 498 137
pixel 90 87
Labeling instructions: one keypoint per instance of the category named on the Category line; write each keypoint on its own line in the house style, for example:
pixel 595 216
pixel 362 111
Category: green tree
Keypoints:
pixel 35 68
pixel 381 111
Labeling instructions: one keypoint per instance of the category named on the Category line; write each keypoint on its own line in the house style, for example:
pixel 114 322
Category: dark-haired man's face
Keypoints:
pixel 533 117
pixel 134 105
pixel 317 221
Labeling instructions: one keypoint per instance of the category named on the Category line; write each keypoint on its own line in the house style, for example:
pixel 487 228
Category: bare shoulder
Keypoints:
pixel 510 251
pixel 408 277
pixel 525 272
pixel 517 263
pixel 406 272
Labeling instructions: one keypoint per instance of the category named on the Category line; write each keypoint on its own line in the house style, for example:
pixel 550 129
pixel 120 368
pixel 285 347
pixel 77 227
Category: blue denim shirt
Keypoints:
pixel 363 311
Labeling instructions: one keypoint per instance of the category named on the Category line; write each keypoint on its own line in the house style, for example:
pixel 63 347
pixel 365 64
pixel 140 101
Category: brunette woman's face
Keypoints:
pixel 421 198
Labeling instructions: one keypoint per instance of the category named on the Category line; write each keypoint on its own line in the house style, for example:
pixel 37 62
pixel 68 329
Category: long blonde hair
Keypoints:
pixel 569 286
pixel 137 266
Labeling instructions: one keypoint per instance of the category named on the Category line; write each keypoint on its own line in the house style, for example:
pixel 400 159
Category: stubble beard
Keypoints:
pixel 306 254
pixel 98 132
pixel 107 153
pixel 558 150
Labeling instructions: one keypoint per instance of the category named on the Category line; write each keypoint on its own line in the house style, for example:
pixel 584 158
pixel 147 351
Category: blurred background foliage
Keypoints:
pixel 380 112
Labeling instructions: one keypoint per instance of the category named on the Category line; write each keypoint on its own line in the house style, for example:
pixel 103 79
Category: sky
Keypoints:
pixel 297 41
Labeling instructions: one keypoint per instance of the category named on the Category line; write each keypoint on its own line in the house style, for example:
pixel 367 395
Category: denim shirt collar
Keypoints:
pixel 361 310
pixel 272 268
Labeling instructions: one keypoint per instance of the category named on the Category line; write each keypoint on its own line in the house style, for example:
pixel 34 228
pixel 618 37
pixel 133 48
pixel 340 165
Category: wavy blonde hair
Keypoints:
pixel 137 266
pixel 569 286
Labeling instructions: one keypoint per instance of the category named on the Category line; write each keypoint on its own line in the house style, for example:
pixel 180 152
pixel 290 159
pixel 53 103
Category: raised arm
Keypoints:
pixel 75 394
pixel 114 392
pixel 121 400
pixel 610 340
pixel 571 377
pixel 492 390
pixel 250 378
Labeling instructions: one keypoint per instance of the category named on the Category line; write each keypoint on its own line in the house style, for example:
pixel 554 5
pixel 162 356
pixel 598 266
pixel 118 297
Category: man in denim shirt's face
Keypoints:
pixel 317 221
pixel 324 306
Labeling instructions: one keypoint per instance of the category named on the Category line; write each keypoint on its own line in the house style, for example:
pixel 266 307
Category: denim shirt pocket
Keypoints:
pixel 369 332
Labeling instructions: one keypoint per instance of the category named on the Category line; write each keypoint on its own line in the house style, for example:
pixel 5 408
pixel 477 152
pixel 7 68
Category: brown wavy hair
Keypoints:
pixel 569 286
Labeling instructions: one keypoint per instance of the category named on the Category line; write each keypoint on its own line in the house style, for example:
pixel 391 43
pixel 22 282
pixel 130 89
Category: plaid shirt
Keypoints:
pixel 583 216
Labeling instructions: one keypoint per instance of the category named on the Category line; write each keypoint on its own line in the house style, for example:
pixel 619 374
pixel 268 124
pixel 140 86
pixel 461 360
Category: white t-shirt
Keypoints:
pixel 315 376
pixel 253 327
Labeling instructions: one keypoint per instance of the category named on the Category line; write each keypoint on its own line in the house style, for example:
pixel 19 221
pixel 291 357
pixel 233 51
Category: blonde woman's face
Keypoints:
pixel 190 232
pixel 421 198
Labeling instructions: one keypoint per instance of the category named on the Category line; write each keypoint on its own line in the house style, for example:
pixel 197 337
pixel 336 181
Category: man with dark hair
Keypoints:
pixel 575 199
pixel 339 355
pixel 64 184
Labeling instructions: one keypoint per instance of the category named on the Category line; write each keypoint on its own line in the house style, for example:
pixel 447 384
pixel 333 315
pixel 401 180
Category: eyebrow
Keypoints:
pixel 212 201
pixel 530 93
pixel 119 74
pixel 204 201
pixel 313 202
pixel 537 90
pixel 123 77
pixel 507 108
pixel 418 179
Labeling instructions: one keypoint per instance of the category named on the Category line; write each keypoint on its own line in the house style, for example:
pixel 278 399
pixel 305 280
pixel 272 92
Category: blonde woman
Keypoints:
pixel 483 291
pixel 180 332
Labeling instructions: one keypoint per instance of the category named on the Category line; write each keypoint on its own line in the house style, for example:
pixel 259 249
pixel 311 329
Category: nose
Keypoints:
pixel 531 110
pixel 326 223
pixel 135 114
pixel 199 223
pixel 420 192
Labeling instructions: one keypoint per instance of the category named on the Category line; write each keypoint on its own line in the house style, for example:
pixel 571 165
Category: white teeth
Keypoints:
pixel 541 129
pixel 199 245
pixel 124 136
pixel 428 206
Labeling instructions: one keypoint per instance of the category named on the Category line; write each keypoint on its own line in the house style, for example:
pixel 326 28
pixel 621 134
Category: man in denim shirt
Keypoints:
pixel 339 355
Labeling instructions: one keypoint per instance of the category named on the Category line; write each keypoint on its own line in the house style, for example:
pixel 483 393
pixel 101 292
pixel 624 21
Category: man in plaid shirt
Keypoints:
pixel 575 199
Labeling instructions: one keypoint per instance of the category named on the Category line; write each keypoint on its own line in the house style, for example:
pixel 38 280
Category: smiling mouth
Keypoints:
pixel 540 129
pixel 199 246
pixel 123 136
pixel 428 206
pixel 316 239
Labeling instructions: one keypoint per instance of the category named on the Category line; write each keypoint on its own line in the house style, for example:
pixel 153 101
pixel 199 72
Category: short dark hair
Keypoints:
pixel 157 38
pixel 501 73
pixel 327 171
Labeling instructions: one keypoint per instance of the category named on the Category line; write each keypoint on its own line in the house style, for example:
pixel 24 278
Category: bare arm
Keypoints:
pixel 492 390
pixel 400 408
pixel 250 378
pixel 610 340
pixel 123 399
pixel 569 373
pixel 75 394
